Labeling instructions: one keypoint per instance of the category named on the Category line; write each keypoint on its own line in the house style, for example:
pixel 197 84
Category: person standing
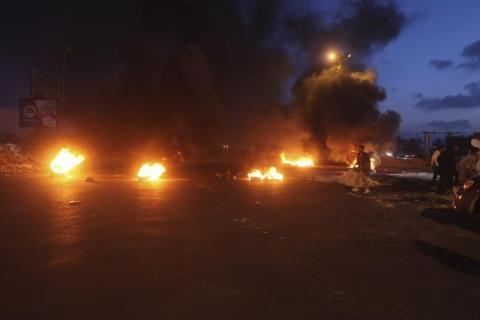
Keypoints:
pixel 447 168
pixel 363 167
pixel 434 162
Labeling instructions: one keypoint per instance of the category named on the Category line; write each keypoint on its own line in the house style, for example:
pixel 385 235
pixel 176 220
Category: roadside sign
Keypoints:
pixel 38 113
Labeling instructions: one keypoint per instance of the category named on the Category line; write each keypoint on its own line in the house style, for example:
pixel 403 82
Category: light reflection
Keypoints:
pixel 64 231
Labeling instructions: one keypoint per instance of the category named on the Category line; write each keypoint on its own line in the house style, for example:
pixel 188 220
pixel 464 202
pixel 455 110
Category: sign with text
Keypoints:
pixel 38 113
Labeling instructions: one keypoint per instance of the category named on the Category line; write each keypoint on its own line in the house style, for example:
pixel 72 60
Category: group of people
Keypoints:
pixel 450 168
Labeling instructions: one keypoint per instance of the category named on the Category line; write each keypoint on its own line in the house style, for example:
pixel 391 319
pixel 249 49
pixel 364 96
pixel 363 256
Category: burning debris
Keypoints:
pixel 66 161
pixel 270 174
pixel 375 161
pixel 301 162
pixel 151 172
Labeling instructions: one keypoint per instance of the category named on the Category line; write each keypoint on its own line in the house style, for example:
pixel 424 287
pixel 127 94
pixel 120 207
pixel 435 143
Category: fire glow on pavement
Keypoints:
pixel 66 161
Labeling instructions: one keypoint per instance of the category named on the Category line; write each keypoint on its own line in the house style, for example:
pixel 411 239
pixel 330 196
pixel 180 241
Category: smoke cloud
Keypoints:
pixel 200 74
pixel 340 111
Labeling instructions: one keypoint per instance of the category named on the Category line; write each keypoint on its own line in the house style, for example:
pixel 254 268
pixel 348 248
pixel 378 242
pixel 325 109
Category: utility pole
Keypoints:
pixel 426 144
pixel 64 65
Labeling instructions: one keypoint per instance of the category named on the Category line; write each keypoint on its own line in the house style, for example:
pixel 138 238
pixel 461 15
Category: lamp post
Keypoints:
pixel 64 64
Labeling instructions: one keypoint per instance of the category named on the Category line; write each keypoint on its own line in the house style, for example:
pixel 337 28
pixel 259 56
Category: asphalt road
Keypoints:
pixel 206 249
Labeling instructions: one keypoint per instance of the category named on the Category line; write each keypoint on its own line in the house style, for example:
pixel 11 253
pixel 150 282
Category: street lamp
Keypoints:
pixel 338 59
pixel 332 56
pixel 65 52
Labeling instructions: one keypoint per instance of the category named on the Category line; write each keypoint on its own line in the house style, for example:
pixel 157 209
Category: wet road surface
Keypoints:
pixel 205 249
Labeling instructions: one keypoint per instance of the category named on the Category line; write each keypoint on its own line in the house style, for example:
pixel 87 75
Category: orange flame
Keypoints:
pixel 302 162
pixel 270 174
pixel 373 164
pixel 66 161
pixel 151 171
pixel 352 164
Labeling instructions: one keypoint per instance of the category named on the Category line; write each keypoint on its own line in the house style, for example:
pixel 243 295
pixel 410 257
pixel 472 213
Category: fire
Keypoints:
pixel 151 171
pixel 352 164
pixel 65 161
pixel 302 162
pixel 373 164
pixel 270 174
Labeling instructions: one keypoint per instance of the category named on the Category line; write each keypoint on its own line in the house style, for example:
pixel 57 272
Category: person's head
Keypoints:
pixel 361 148
pixel 439 148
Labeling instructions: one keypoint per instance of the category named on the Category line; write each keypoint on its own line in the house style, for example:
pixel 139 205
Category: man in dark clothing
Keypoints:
pixel 447 168
pixel 434 162
pixel 363 167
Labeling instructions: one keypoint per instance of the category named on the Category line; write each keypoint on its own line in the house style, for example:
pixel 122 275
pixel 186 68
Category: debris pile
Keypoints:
pixel 14 160
pixel 349 178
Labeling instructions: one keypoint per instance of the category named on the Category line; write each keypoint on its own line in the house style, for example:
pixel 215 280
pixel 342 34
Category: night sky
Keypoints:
pixel 430 71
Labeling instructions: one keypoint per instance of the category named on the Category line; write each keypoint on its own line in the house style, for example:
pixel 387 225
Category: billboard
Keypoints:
pixel 38 113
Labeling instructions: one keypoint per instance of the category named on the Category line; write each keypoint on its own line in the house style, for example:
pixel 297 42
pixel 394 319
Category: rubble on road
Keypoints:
pixel 420 199
pixel 349 177
pixel 400 189
pixel 14 160
pixel 248 223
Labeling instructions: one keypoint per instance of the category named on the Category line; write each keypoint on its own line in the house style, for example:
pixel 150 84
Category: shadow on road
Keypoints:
pixel 452 259
pixel 450 217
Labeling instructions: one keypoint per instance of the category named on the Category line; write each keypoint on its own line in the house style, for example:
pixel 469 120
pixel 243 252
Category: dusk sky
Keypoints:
pixel 406 67
pixel 429 71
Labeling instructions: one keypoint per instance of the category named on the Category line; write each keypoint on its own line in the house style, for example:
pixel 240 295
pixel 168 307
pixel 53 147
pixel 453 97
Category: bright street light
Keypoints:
pixel 332 56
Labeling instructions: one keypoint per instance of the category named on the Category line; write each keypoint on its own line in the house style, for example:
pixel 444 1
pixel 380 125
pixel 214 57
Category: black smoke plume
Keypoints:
pixel 199 74
pixel 340 110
